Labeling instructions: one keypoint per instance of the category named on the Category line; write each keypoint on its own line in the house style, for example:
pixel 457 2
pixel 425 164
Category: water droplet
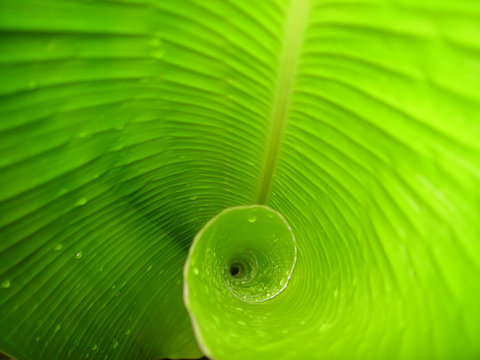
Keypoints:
pixel 57 328
pixel 6 284
pixel 58 247
pixel 128 332
pixel 95 347
pixel 194 198
pixel 37 339
pixel 149 268
pixel 115 343
pixel 252 219
pixel 157 53
pixel 79 254
pixel 116 147
pixel 270 216
pixel 81 202
pixel 62 192
pixel 196 271
pixel 82 134
pixel 325 327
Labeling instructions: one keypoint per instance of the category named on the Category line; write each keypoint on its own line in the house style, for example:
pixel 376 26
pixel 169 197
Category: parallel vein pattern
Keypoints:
pixel 123 128
pixel 125 125
pixel 376 174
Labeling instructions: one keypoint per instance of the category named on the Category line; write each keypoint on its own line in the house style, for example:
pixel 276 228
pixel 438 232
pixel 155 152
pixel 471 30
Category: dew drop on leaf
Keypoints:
pixel 61 192
pixel 157 53
pixel 325 327
pixel 81 202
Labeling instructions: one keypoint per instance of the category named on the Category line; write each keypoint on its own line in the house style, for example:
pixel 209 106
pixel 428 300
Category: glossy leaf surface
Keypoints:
pixel 125 126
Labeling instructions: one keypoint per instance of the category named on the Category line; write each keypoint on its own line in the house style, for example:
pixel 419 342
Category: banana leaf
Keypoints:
pixel 323 156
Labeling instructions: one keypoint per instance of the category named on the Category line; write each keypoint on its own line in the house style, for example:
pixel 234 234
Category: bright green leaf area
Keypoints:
pixel 127 125
pixel 238 263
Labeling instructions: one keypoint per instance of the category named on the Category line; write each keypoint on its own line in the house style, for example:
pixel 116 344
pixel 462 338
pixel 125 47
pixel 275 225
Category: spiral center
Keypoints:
pixel 248 251
pixel 236 269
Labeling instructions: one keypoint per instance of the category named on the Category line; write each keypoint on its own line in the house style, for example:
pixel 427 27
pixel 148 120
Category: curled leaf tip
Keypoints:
pixel 241 258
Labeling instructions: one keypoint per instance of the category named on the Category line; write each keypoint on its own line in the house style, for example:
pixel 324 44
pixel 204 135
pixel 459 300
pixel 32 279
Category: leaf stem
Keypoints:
pixel 297 17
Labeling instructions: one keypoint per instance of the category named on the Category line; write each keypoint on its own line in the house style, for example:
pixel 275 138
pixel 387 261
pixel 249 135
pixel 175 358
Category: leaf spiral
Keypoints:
pixel 126 124
pixel 239 260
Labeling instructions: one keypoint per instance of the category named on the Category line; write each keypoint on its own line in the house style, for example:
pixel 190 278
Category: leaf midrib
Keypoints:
pixel 297 16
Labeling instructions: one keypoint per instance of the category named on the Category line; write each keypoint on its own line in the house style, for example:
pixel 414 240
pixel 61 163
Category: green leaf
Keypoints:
pixel 234 254
pixel 126 126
